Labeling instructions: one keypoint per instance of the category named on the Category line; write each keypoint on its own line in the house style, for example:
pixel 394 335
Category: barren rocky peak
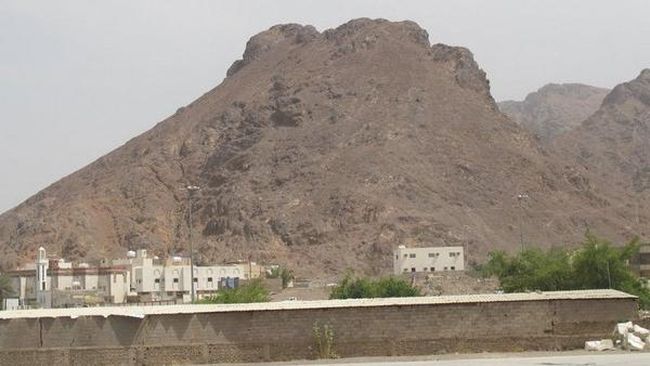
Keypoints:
pixel 322 151
pixel 614 146
pixel 555 108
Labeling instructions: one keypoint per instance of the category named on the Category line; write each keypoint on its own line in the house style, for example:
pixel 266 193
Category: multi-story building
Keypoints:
pixel 431 259
pixel 153 279
pixel 56 283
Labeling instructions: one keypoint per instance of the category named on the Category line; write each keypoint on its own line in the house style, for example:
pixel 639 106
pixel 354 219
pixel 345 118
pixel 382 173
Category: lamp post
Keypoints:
pixel 520 198
pixel 190 194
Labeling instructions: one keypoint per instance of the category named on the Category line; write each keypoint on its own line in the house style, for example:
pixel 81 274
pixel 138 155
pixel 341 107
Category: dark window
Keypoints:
pixel 412 255
pixel 433 269
pixel 453 268
pixel 209 279
pixel 157 280
pixel 425 269
pixel 445 268
pixel 413 269
pixel 175 280
pixel 196 279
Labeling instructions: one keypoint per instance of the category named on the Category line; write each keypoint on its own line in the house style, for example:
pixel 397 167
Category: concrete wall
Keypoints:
pixel 287 334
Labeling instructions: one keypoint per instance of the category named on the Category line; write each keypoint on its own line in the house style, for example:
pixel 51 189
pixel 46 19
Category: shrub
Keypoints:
pixel 254 291
pixel 359 288
pixel 595 265
pixel 324 340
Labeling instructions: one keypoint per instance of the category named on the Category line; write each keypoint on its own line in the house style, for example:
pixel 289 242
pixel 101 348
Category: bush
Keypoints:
pixel 283 273
pixel 595 265
pixel 360 288
pixel 6 290
pixel 324 340
pixel 254 291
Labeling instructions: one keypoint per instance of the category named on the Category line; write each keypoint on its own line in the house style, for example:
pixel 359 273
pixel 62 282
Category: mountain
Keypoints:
pixel 322 151
pixel 554 108
pixel 613 145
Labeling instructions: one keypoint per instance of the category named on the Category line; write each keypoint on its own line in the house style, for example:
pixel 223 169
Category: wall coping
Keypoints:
pixel 142 311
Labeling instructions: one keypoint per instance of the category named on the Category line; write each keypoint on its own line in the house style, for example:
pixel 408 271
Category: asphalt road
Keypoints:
pixel 596 359
pixel 569 358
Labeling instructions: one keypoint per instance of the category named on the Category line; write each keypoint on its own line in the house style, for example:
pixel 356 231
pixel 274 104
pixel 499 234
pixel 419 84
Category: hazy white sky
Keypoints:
pixel 79 78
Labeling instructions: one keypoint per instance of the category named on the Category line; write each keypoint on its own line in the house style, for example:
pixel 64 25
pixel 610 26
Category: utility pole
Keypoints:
pixel 520 198
pixel 190 194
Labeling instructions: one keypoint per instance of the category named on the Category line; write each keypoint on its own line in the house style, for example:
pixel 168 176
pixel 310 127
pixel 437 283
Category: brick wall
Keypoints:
pixel 287 334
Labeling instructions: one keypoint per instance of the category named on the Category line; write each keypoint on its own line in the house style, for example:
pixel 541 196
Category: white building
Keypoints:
pixel 57 283
pixel 51 282
pixel 431 259
pixel 153 279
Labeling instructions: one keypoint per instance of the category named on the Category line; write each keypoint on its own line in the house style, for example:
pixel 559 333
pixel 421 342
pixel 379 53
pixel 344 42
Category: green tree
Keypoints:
pixel 254 291
pixel 6 290
pixel 359 288
pixel 286 275
pixel 596 264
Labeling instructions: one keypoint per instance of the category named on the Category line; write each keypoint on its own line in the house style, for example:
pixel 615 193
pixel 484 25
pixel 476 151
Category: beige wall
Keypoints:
pixel 430 259
pixel 287 334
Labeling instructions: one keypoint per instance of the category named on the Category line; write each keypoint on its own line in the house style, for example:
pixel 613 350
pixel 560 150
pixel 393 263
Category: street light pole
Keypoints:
pixel 520 198
pixel 190 194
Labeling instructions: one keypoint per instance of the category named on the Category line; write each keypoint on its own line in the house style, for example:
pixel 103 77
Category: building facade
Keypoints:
pixel 431 259
pixel 154 279
pixel 56 283
pixel 53 282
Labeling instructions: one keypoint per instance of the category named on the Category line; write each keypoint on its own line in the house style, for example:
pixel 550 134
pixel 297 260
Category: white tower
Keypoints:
pixel 42 288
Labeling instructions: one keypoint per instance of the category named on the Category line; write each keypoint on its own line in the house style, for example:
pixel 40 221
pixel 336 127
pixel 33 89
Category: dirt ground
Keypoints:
pixel 450 283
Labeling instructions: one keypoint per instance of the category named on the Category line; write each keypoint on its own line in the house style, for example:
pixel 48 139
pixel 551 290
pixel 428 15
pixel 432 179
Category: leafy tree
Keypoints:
pixel 359 288
pixel 596 264
pixel 254 291
pixel 287 276
pixel 6 290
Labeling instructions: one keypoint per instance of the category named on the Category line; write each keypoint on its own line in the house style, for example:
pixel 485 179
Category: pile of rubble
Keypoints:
pixel 628 336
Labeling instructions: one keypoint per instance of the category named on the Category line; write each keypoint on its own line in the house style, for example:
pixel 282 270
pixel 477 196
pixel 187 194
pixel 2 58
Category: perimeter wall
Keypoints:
pixel 272 335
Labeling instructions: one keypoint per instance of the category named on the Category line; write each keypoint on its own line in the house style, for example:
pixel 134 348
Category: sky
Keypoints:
pixel 80 78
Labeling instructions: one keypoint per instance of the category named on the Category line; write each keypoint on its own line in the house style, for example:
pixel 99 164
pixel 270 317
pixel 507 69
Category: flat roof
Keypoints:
pixel 142 311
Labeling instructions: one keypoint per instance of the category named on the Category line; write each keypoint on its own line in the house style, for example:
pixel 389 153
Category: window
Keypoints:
pixel 452 254
pixel 175 280
pixel 406 269
pixel 413 269
pixel 433 255
pixel 406 255
pixel 433 269
pixel 445 268
pixel 157 280
pixel 452 268
pixel 412 255
pixel 424 269
pixel 396 256
pixel 209 279
pixel 196 279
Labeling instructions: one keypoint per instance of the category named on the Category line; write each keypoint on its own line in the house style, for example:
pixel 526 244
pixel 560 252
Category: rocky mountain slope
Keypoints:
pixel 555 108
pixel 321 150
pixel 614 145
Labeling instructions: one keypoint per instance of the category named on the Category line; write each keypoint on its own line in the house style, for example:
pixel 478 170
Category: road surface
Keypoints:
pixel 595 359
pixel 571 358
